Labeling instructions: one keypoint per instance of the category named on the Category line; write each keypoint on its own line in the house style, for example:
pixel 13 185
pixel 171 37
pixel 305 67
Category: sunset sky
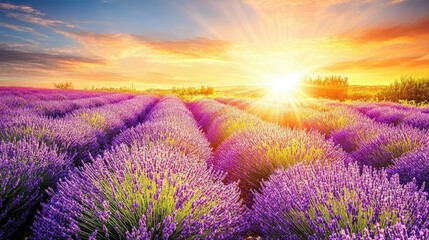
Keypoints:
pixel 161 43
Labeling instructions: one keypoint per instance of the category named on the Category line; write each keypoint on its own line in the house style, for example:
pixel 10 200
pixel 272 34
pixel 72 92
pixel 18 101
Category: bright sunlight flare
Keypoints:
pixel 283 87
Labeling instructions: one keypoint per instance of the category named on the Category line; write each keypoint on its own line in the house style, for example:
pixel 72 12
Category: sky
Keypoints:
pixel 161 43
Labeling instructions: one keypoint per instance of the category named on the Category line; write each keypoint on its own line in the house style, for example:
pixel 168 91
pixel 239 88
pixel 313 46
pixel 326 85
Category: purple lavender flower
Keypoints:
pixel 333 120
pixel 320 201
pixel 81 133
pixel 27 168
pixel 192 202
pixel 418 120
pixel 253 155
pixel 58 108
pixel 353 137
pixel 190 141
pixel 412 165
pixel 227 124
pixel 172 123
pixel 381 151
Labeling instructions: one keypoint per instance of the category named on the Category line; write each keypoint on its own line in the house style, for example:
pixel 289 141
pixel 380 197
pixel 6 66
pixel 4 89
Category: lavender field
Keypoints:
pixel 102 165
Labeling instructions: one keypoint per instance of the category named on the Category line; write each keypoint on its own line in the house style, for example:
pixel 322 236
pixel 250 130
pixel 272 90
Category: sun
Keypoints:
pixel 285 86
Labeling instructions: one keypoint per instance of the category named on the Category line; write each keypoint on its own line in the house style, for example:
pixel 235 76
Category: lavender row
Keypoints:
pixel 169 122
pixel 41 151
pixel 81 133
pixel 330 200
pixel 306 114
pixel 336 201
pixel 391 114
pixel 365 106
pixel 27 169
pixel 368 142
pixel 58 108
pixel 40 94
pixel 250 150
pixel 155 186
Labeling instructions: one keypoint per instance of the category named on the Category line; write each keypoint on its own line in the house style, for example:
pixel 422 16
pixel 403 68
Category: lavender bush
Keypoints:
pixel 351 138
pixel 172 123
pixel 320 201
pixel 412 165
pixel 381 151
pixel 253 155
pixel 333 120
pixel 188 140
pixel 27 169
pixel 142 193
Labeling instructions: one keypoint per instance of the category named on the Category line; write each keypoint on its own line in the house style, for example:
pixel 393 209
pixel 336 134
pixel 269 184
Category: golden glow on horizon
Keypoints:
pixel 241 47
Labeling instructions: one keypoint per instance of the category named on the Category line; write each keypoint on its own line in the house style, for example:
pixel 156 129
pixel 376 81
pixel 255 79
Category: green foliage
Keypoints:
pixel 116 89
pixel 333 87
pixel 94 119
pixel 64 85
pixel 340 206
pixel 203 90
pixel 362 92
pixel 407 88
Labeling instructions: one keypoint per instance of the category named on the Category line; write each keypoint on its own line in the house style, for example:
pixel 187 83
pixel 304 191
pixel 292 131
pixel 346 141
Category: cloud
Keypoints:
pixel 279 4
pixel 377 63
pixel 31 15
pixel 17 28
pixel 120 45
pixel 22 29
pixel 410 30
pixel 35 19
pixel 20 8
pixel 194 47
pixel 33 63
pixel 12 55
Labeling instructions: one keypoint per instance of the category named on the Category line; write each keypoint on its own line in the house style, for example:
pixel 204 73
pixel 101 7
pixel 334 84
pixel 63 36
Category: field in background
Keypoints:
pixel 108 165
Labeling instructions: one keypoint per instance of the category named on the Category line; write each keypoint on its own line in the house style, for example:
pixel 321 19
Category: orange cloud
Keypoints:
pixel 285 8
pixel 195 47
pixel 411 31
pixel 373 63
pixel 127 44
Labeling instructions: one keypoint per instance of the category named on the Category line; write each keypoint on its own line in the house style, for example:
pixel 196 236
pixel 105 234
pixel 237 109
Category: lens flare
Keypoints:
pixel 284 87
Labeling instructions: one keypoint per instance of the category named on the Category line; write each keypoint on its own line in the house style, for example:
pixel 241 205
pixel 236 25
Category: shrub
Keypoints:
pixel 188 140
pixel 206 110
pixel 407 88
pixel 172 123
pixel 417 119
pixel 318 201
pixel 381 151
pixel 253 155
pixel 27 169
pixel 64 85
pixel 225 125
pixel 353 137
pixel 333 87
pixel 338 118
pixel 412 165
pixel 141 193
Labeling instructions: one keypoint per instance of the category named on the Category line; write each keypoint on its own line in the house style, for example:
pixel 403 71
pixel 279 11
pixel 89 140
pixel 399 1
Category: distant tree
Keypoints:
pixel 64 85
pixel 407 88
pixel 209 90
pixel 333 87
pixel 203 90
